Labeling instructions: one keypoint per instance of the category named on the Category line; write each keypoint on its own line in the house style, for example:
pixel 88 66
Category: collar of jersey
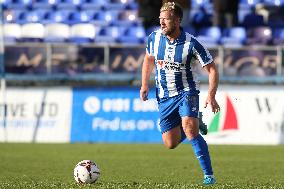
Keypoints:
pixel 178 40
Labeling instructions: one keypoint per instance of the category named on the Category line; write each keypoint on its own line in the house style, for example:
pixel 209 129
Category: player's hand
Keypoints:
pixel 213 103
pixel 144 93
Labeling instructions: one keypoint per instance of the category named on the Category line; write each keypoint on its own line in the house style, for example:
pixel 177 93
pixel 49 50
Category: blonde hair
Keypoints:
pixel 172 6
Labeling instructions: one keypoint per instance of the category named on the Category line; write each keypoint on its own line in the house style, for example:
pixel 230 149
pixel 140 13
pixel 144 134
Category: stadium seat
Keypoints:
pixel 109 34
pixel 77 17
pixel 189 30
pixel 259 36
pixel 233 37
pixel 127 18
pixel 131 5
pixel 278 36
pixel 56 32
pixel 60 16
pixel 116 5
pixel 32 32
pixel 11 16
pixel 44 4
pixel 68 4
pixel 82 33
pixel 243 12
pixel 18 4
pixel 22 17
pixel 198 3
pixel 34 16
pixel 210 36
pixel 133 35
pixel 201 18
pixel 273 2
pixel 248 3
pixel 12 32
pixel 104 18
pixel 93 4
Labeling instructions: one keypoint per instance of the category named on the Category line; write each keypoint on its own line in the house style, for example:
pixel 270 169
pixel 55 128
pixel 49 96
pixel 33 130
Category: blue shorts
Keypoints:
pixel 174 108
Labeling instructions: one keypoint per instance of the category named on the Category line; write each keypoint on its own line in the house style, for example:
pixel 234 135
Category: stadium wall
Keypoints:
pixel 249 115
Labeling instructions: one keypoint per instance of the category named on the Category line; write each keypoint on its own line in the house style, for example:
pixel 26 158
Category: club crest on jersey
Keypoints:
pixel 167 65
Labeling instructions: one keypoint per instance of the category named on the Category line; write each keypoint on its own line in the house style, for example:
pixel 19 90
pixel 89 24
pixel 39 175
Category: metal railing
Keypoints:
pixel 44 61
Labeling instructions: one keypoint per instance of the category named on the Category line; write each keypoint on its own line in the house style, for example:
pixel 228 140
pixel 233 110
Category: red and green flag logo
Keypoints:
pixel 230 122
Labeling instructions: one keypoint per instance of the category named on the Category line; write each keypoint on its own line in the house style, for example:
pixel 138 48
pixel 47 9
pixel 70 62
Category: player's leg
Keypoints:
pixel 199 145
pixel 189 112
pixel 170 122
pixel 173 137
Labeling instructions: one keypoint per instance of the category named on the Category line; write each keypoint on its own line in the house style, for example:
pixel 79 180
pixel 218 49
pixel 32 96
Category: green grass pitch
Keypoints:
pixel 139 166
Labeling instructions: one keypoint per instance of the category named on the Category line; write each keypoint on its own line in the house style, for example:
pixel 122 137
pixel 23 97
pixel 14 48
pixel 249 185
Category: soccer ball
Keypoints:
pixel 86 172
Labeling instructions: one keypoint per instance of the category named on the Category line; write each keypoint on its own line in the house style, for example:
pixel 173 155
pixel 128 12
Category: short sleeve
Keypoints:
pixel 150 44
pixel 202 54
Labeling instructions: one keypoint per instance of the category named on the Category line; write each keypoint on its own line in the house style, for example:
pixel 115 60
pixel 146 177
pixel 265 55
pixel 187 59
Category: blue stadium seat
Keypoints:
pixel 278 36
pixel 18 4
pixel 35 16
pixel 44 4
pixel 104 18
pixel 82 33
pixel 210 36
pixel 259 36
pixel 11 16
pixel 68 4
pixel 60 16
pixel 116 5
pixel 56 33
pixel 79 17
pixel 201 18
pixel 243 12
pixel 93 4
pixel 132 5
pixel 22 17
pixel 127 18
pixel 274 2
pixel 198 3
pixel 248 3
pixel 12 32
pixel 234 37
pixel 109 34
pixel 133 35
pixel 189 30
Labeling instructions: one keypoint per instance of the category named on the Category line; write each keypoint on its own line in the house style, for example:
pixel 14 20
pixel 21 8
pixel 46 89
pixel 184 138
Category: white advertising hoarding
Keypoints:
pixel 249 115
pixel 36 115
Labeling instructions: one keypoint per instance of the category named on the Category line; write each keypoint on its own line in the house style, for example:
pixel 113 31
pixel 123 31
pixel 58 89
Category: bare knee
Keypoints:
pixel 190 127
pixel 171 144
pixel 172 138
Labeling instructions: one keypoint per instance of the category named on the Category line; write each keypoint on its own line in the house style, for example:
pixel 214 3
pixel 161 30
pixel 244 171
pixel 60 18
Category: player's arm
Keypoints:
pixel 147 67
pixel 213 77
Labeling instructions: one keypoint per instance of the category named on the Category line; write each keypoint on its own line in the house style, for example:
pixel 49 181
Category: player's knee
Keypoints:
pixel 171 144
pixel 190 128
pixel 192 133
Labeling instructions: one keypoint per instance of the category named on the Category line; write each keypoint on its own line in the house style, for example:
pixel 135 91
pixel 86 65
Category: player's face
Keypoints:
pixel 168 22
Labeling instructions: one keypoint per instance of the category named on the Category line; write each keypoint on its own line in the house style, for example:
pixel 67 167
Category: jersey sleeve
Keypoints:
pixel 150 44
pixel 201 53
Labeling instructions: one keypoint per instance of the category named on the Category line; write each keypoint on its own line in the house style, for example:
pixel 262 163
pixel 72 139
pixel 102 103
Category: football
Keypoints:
pixel 86 172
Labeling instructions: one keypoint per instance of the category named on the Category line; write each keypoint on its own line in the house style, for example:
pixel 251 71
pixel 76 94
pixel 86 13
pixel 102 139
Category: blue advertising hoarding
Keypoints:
pixel 114 115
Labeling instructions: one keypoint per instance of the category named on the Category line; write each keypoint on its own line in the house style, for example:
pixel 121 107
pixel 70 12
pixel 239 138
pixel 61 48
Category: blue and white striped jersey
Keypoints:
pixel 176 63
